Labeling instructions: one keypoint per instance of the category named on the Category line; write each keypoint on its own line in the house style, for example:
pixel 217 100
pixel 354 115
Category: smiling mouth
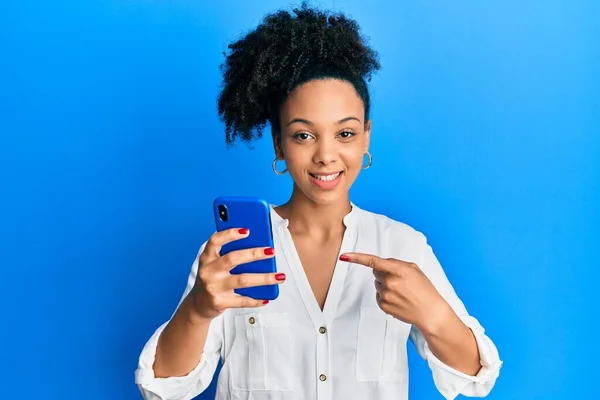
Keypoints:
pixel 326 178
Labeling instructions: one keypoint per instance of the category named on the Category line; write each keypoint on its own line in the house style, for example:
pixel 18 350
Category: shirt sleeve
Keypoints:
pixel 188 386
pixel 449 381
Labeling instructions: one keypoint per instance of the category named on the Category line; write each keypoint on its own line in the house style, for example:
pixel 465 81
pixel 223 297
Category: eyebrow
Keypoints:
pixel 307 122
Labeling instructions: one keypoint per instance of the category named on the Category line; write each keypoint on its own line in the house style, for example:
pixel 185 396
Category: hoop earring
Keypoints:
pixel 370 161
pixel 275 167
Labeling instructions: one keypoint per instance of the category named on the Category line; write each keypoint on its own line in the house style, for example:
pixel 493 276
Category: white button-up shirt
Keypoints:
pixel 291 349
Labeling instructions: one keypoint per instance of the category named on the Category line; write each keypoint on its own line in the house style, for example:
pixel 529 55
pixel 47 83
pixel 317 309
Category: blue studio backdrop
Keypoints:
pixel 485 137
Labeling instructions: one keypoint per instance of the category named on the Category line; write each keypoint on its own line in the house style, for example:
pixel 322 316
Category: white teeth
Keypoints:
pixel 326 178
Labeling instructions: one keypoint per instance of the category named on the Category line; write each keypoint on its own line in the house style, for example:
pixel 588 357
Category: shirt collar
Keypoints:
pixel 349 219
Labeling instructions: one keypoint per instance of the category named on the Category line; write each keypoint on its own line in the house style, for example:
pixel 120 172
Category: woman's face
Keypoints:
pixel 323 138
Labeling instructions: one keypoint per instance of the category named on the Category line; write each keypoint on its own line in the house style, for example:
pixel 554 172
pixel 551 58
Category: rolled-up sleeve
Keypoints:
pixel 449 381
pixel 183 387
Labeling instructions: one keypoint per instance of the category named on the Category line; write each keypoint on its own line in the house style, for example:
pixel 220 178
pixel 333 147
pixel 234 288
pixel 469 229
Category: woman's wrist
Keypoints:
pixel 437 320
pixel 191 312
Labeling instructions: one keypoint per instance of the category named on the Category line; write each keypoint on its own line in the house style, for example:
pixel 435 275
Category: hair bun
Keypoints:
pixel 284 51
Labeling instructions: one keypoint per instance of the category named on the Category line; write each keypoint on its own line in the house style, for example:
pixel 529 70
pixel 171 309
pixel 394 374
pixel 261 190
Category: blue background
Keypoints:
pixel 486 137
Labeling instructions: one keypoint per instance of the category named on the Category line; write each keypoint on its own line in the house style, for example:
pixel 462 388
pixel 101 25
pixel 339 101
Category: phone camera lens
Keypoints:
pixel 223 213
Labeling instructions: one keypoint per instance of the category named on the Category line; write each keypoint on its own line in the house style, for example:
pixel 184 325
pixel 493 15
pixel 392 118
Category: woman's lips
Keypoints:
pixel 328 184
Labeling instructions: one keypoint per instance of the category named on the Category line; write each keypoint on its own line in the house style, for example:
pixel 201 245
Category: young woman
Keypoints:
pixel 355 286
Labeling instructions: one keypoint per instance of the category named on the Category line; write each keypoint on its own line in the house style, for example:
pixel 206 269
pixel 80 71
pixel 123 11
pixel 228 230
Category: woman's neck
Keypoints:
pixel 309 218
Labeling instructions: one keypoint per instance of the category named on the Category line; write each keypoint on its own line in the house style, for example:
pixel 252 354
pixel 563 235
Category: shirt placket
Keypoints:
pixel 321 320
pixel 323 362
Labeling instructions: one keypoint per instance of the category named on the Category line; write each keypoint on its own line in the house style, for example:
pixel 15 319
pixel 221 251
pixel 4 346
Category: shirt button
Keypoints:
pixel 322 377
pixel 322 330
pixel 252 320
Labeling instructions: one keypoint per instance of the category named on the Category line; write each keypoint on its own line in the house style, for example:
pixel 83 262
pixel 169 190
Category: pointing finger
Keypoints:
pixel 368 260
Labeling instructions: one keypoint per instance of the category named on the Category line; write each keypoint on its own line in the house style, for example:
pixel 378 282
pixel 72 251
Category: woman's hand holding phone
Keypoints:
pixel 213 291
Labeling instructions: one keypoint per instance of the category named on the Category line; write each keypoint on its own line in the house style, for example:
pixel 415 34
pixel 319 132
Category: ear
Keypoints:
pixel 367 135
pixel 277 144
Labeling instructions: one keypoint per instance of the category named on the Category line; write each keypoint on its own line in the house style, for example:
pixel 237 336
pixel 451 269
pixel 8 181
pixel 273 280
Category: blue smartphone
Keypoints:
pixel 255 214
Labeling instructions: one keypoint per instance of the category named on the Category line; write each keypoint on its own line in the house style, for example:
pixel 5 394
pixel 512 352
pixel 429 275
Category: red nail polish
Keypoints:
pixel 344 257
pixel 243 231
pixel 280 277
pixel 265 301
pixel 269 251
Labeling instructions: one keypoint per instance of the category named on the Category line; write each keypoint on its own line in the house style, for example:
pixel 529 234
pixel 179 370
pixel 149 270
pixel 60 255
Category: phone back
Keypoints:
pixel 254 214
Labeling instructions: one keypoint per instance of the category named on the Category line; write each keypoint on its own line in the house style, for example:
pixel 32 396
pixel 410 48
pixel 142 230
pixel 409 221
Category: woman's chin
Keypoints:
pixel 327 198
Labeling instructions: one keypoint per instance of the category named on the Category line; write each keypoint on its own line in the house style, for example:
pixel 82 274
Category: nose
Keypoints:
pixel 326 152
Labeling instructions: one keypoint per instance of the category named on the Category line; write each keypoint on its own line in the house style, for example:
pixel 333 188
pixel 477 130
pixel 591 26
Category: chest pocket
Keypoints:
pixel 261 354
pixel 381 348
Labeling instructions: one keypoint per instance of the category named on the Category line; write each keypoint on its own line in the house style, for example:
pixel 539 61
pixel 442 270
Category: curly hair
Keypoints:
pixel 283 52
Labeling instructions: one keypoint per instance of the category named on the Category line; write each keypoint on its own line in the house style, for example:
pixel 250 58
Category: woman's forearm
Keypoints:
pixel 452 342
pixel 181 343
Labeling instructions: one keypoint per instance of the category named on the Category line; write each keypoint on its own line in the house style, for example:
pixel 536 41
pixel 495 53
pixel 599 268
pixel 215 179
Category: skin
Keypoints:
pixel 322 130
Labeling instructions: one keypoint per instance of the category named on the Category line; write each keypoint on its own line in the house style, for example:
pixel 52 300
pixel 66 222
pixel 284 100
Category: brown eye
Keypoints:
pixel 302 136
pixel 346 134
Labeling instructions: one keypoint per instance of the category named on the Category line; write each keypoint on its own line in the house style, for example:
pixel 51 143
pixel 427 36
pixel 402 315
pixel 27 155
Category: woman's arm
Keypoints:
pixel 172 365
pixel 451 341
pixel 181 344
pixel 462 358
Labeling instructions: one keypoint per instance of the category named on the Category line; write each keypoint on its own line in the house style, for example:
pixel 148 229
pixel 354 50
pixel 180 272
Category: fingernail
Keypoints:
pixel 243 231
pixel 265 301
pixel 280 277
pixel 269 251
pixel 344 257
